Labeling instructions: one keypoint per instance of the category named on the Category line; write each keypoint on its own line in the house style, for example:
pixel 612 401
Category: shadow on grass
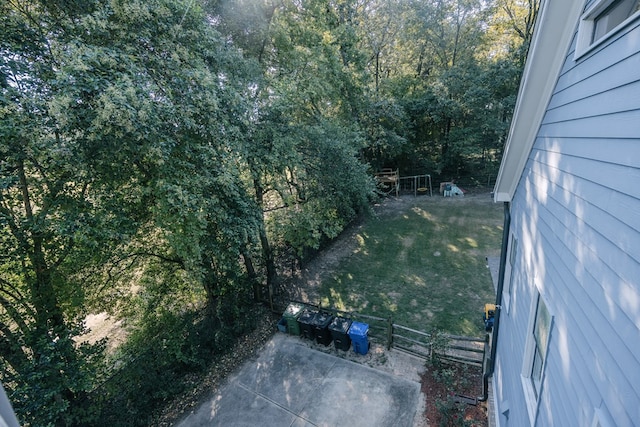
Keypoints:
pixel 423 262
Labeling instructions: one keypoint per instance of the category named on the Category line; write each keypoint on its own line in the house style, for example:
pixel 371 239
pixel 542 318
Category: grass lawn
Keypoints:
pixel 421 261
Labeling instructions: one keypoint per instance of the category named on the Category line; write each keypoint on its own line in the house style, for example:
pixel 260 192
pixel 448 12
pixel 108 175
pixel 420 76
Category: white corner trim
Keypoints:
pixel 502 197
pixel 555 26
pixel 496 414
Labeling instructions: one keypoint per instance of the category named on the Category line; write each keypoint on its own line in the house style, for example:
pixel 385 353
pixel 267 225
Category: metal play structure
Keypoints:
pixel 419 184
pixel 390 181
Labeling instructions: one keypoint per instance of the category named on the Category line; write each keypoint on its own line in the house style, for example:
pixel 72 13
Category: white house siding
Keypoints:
pixel 576 214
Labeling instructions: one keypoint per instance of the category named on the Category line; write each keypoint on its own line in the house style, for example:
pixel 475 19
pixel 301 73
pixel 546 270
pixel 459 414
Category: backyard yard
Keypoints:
pixel 419 260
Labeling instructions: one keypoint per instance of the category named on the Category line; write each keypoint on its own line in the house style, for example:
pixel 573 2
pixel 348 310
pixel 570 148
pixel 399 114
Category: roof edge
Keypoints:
pixel 555 27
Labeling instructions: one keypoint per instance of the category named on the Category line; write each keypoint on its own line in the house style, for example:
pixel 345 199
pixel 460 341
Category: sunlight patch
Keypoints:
pixel 471 242
pixel 407 241
pixel 453 248
pixel 394 295
pixel 336 299
pixel 362 245
pixel 414 279
pixel 427 313
pixel 424 214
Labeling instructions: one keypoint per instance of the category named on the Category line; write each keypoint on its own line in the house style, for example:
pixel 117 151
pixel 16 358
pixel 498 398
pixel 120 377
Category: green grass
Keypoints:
pixel 422 262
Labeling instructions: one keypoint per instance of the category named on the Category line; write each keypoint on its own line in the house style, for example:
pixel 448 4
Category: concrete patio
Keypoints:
pixel 291 384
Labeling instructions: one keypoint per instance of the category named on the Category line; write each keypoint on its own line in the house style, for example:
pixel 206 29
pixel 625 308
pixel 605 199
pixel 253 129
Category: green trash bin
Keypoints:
pixel 291 316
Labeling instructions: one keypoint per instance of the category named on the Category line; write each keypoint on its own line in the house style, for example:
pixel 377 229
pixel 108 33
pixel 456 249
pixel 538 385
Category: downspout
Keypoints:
pixel 491 361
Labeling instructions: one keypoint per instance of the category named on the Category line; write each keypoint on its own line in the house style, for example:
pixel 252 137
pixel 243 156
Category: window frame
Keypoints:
pixel 531 392
pixel 509 274
pixel 584 41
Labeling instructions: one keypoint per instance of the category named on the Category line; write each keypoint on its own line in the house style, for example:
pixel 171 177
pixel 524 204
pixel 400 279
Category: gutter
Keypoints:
pixel 491 361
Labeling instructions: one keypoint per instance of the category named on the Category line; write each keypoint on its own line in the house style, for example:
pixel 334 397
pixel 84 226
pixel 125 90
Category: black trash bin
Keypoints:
pixel 339 328
pixel 321 328
pixel 306 320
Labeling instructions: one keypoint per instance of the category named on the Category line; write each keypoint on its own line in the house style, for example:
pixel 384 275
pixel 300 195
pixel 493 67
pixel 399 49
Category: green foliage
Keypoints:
pixel 164 351
pixel 452 413
pixel 438 344
pixel 152 152
pixel 46 389
pixel 445 377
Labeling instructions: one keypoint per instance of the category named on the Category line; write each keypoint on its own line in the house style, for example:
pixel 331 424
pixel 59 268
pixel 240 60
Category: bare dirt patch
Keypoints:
pixel 100 326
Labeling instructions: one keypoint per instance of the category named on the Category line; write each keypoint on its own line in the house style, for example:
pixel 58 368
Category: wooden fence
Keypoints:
pixel 454 348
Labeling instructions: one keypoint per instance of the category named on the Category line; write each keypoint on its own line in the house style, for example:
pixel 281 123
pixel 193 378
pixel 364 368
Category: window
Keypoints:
pixel 509 272
pixel 601 20
pixel 540 339
pixel 533 368
pixel 612 16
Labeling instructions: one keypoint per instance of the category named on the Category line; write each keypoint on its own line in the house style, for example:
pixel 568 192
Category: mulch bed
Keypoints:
pixel 446 388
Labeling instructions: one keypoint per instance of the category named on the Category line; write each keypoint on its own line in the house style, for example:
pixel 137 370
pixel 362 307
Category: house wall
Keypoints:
pixel 576 215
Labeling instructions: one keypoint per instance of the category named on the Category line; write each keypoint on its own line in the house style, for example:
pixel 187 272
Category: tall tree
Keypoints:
pixel 116 116
pixel 310 79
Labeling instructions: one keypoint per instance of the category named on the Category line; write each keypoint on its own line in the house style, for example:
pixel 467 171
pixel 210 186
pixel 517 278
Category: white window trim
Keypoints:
pixel 533 402
pixel 587 24
pixel 509 273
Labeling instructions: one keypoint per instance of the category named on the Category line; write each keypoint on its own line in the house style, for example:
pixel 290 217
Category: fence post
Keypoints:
pixel 389 333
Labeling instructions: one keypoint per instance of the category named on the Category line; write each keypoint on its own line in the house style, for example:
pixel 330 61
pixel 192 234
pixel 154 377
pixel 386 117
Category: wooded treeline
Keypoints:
pixel 160 160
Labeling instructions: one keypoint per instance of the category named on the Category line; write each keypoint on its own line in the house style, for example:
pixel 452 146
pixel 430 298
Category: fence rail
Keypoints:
pixel 447 347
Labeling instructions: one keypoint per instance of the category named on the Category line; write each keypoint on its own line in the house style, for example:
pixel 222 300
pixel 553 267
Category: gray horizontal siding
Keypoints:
pixel 597 357
pixel 600 61
pixel 600 248
pixel 576 213
pixel 613 77
pixel 615 188
pixel 586 276
pixel 614 100
pixel 621 125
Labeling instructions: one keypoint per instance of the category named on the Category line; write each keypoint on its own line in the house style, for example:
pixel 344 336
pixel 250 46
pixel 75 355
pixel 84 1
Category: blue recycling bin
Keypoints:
pixel 359 334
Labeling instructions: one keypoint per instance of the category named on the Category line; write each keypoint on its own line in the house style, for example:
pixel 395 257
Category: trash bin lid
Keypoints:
pixel 307 316
pixel 359 329
pixel 293 309
pixel 322 319
pixel 340 324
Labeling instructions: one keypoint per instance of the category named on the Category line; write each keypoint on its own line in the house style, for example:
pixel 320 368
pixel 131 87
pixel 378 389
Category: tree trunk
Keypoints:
pixel 50 327
pixel 48 313
pixel 251 272
pixel 267 252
